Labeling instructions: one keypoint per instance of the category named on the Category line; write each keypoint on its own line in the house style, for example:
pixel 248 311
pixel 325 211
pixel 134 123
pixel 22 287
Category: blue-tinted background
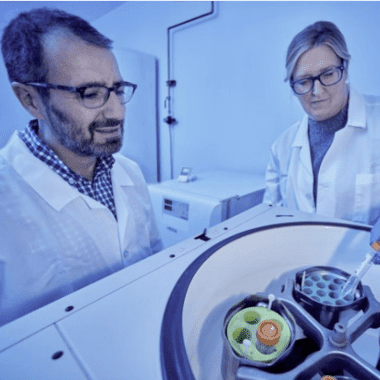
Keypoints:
pixel 230 100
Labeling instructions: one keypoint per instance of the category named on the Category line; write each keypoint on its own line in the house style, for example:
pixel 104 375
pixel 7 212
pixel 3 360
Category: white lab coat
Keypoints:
pixel 55 240
pixel 349 176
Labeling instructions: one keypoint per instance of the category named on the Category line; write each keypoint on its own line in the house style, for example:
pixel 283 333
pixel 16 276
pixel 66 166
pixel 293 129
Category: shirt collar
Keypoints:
pixel 43 152
pixel 103 164
pixel 37 173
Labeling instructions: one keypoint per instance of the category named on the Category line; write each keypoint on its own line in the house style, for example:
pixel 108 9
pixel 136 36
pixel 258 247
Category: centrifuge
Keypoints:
pixel 255 297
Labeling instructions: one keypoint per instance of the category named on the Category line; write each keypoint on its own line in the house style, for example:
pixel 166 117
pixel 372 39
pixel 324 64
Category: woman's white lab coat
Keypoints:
pixel 349 176
pixel 54 240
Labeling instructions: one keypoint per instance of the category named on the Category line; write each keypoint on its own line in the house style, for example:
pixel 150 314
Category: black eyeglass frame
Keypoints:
pixel 292 83
pixel 81 90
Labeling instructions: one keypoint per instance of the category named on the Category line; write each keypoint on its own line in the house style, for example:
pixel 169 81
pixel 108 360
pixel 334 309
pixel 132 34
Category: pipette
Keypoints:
pixel 370 258
pixel 350 286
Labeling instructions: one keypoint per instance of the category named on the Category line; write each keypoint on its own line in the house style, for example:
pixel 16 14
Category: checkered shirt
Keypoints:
pixel 99 189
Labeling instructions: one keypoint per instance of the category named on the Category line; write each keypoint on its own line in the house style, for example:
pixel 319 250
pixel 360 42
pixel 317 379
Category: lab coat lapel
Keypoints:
pixel 301 142
pixel 339 154
pixel 301 168
pixel 356 109
pixel 119 180
pixel 36 173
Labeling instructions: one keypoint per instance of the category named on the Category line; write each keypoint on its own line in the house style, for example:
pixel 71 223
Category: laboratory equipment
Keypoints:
pixel 184 208
pixel 353 281
pixel 370 258
pixel 268 330
pixel 185 175
pixel 314 347
pixel 163 317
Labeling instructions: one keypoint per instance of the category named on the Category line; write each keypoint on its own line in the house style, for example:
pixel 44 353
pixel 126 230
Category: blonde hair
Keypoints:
pixel 319 33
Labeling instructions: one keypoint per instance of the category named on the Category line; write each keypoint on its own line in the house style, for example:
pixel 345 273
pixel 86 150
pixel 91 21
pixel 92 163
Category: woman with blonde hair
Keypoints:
pixel 328 163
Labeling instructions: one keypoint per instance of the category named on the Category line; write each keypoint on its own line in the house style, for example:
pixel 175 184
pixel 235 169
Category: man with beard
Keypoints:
pixel 71 210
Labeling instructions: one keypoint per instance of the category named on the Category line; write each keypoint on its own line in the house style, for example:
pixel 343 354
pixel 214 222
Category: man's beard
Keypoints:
pixel 73 138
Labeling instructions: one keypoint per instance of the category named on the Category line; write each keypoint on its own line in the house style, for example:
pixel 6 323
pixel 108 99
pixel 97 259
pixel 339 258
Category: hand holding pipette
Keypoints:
pixel 372 257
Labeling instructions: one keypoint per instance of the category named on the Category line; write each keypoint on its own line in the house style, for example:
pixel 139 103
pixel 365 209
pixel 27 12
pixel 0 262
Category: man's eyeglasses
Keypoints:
pixel 327 78
pixel 95 96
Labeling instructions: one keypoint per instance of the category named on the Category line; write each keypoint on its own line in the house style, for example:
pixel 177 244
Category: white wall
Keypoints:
pixel 12 115
pixel 230 100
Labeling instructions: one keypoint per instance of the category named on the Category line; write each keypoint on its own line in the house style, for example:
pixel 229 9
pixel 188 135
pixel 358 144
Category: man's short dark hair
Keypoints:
pixel 22 41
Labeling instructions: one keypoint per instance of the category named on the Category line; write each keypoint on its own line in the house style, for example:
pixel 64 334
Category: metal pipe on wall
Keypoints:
pixel 171 82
